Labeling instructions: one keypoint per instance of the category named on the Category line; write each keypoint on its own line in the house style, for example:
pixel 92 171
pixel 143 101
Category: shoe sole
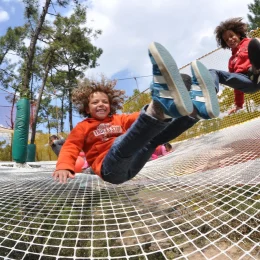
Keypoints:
pixel 173 79
pixel 254 52
pixel 208 88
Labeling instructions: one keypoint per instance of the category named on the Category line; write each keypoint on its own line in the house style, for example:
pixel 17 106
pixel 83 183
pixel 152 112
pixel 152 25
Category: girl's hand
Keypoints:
pixel 62 175
pixel 234 110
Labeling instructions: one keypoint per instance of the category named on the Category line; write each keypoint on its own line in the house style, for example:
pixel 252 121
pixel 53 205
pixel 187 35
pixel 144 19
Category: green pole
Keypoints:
pixel 21 131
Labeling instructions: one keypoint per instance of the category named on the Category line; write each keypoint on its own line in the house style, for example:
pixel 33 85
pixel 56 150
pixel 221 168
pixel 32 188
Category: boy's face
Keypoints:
pixel 231 38
pixel 98 105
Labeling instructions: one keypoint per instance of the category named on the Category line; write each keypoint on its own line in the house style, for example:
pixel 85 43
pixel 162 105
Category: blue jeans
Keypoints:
pixel 132 150
pixel 237 81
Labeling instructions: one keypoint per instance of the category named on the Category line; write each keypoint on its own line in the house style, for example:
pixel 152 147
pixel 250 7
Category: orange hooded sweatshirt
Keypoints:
pixel 94 137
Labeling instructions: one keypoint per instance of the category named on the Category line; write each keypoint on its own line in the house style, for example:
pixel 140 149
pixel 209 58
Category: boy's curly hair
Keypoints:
pixel 81 94
pixel 234 24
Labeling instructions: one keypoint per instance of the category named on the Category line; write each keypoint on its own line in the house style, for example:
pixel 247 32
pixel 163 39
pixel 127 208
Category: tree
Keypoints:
pixel 75 51
pixel 49 114
pixel 36 22
pixel 68 45
pixel 31 13
pixel 57 88
pixel 254 18
pixel 36 25
pixel 11 44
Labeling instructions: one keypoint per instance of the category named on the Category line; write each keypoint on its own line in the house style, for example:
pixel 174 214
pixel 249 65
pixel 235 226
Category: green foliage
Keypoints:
pixel 5 151
pixel 254 17
pixel 73 52
pixel 207 126
pixel 72 44
pixel 11 42
pixel 67 53
pixel 226 99
pixel 31 9
pixel 50 115
pixel 43 150
pixel 136 102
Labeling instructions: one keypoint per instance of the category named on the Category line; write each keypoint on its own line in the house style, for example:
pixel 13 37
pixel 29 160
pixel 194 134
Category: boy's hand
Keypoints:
pixel 62 175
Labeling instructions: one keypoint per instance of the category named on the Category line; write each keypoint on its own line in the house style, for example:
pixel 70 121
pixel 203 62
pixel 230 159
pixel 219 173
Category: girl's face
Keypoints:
pixel 168 148
pixel 98 105
pixel 231 38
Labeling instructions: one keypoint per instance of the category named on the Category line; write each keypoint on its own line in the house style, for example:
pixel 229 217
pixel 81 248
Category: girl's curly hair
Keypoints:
pixel 81 94
pixel 234 24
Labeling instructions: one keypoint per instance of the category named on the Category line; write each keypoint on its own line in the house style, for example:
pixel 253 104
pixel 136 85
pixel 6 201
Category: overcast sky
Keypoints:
pixel 184 27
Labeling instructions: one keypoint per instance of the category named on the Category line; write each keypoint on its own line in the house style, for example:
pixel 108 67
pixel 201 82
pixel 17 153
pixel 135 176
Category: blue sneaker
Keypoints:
pixel 203 92
pixel 168 88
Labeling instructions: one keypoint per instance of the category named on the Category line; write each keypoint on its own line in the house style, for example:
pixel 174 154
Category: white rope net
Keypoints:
pixel 199 202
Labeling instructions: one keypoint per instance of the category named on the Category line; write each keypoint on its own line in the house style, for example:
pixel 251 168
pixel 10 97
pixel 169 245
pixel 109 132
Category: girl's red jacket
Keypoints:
pixel 240 63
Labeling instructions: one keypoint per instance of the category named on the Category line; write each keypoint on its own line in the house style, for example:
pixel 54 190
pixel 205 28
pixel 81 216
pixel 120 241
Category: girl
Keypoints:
pixel 242 76
pixel 158 152
pixel 118 145
pixel 168 147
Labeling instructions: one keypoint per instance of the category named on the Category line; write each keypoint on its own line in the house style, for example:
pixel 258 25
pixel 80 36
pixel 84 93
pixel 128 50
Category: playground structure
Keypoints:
pixel 199 202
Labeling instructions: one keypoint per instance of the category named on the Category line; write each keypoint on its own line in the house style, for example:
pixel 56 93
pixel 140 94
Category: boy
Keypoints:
pixel 56 143
pixel 118 146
